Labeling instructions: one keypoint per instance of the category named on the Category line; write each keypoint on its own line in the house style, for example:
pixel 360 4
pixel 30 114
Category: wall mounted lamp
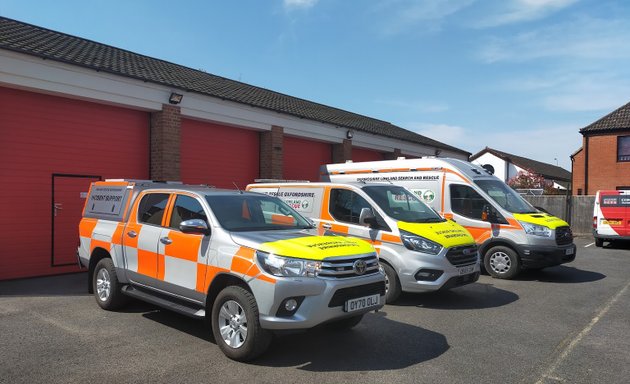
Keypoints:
pixel 349 134
pixel 175 98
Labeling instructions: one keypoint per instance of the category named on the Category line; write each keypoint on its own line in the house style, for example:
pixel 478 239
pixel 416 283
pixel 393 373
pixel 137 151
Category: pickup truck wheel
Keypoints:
pixel 236 325
pixel 345 324
pixel 107 289
pixel 502 262
pixel 392 284
pixel 599 243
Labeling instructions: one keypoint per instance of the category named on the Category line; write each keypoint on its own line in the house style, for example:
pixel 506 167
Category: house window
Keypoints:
pixel 623 148
pixel 579 191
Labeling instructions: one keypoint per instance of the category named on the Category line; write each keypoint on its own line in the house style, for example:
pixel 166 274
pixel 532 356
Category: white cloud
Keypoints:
pixel 299 4
pixel 517 11
pixel 583 38
pixel 402 15
pixel 539 143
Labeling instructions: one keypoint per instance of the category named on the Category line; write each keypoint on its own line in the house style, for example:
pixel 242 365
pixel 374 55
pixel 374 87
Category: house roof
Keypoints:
pixel 548 171
pixel 51 45
pixel 617 120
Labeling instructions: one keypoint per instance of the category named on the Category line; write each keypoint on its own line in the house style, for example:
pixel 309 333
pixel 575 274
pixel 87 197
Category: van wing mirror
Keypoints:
pixel 195 227
pixel 367 217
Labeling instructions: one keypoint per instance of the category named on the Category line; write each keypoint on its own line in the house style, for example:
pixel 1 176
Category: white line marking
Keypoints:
pixel 549 372
pixel 588 245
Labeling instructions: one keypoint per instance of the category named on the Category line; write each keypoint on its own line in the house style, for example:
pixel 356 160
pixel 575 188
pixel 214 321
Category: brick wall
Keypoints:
pixel 342 152
pixel 604 172
pixel 271 153
pixel 165 143
pixel 577 173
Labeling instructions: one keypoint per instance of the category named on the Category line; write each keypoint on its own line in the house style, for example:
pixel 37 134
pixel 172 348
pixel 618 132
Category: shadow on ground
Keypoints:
pixel 561 274
pixel 74 284
pixel 377 343
pixel 473 296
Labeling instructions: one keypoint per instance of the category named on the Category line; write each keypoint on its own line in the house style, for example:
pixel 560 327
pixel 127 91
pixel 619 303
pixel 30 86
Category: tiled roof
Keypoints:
pixel 618 119
pixel 51 45
pixel 548 171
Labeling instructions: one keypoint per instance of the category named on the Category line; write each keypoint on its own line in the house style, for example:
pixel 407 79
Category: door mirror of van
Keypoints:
pixel 195 227
pixel 367 217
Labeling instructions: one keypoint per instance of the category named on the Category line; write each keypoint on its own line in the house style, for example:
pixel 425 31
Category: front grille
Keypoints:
pixel 343 267
pixel 462 255
pixel 564 235
pixel 344 294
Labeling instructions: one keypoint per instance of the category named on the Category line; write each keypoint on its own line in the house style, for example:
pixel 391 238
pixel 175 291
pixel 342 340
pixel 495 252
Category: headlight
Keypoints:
pixel 420 244
pixel 536 230
pixel 286 266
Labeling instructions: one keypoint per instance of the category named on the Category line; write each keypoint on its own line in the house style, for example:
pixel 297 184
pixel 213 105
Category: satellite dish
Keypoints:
pixel 488 168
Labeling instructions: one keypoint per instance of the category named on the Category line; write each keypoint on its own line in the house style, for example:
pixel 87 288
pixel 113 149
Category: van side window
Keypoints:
pixel 151 209
pixel 346 205
pixel 467 202
pixel 186 208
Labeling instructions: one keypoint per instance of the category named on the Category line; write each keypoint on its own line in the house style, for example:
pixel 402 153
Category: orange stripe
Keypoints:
pixel 160 267
pixel 166 219
pixel 184 246
pixel 86 227
pixel 339 228
pixel 118 234
pixel 114 183
pixel 479 234
pixel 390 238
pixel 243 262
pixel 100 244
pixel 443 189
pixel 129 241
pixel 324 214
pixel 147 263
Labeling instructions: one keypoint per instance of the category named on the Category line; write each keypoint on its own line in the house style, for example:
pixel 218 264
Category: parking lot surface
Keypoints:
pixel 567 324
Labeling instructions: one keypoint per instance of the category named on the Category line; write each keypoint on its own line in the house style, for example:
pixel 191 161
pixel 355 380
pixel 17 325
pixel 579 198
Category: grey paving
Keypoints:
pixel 567 324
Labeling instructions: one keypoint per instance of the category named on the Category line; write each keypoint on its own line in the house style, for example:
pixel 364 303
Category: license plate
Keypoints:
pixel 466 270
pixel 362 303
pixel 569 251
pixel 611 222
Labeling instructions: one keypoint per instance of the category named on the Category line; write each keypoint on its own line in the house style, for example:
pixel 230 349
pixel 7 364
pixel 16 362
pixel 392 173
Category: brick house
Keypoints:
pixel 603 162
pixel 74 111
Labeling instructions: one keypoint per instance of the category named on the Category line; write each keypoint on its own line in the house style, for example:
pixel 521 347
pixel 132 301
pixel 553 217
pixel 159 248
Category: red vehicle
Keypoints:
pixel 611 216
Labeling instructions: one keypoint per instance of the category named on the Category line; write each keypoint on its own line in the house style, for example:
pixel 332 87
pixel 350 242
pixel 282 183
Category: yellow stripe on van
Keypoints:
pixel 544 219
pixel 447 233
pixel 318 247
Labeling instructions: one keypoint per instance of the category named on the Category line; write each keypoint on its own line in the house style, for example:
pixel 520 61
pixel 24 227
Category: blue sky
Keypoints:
pixel 521 76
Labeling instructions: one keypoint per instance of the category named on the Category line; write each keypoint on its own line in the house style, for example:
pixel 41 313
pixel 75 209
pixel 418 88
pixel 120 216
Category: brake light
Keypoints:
pixel 595 222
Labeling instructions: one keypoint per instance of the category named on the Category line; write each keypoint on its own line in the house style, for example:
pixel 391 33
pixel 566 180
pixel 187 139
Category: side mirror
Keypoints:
pixel 195 227
pixel 367 217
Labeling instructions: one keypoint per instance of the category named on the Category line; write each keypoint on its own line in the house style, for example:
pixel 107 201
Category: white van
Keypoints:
pixel 511 233
pixel 419 250
pixel 611 216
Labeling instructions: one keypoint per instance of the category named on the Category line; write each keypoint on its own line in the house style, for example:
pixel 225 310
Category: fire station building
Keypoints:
pixel 73 111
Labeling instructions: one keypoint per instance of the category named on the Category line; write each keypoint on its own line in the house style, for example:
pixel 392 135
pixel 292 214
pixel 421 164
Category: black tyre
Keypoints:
pixel 347 323
pixel 599 243
pixel 392 284
pixel 107 288
pixel 236 325
pixel 502 262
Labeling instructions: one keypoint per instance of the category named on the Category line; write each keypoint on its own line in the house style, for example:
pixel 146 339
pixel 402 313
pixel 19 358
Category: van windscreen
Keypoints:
pixel 402 205
pixel 505 196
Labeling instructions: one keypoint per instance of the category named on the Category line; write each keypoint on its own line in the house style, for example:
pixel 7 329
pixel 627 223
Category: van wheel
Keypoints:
pixel 236 325
pixel 392 284
pixel 599 243
pixel 502 262
pixel 107 288
pixel 347 323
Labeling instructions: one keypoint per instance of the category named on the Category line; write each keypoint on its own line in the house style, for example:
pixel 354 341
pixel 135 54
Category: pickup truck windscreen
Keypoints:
pixel 242 213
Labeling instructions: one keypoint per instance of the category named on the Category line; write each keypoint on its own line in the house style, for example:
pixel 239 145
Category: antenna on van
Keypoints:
pixel 237 188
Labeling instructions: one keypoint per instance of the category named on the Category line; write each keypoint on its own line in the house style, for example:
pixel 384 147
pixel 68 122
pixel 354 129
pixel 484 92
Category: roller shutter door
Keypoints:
pixel 50 149
pixel 364 154
pixel 303 158
pixel 218 155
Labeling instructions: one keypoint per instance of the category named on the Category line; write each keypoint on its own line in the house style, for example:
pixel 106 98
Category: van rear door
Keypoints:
pixel 615 220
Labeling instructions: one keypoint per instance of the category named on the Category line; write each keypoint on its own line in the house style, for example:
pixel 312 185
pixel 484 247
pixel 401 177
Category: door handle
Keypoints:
pixel 326 226
pixel 57 207
pixel 132 234
pixel 165 240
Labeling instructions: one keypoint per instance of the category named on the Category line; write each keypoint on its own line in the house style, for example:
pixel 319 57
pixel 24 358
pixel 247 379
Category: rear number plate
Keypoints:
pixel 362 303
pixel 569 251
pixel 466 270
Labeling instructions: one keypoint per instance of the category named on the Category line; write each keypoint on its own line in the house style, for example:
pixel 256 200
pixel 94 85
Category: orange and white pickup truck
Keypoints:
pixel 246 262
